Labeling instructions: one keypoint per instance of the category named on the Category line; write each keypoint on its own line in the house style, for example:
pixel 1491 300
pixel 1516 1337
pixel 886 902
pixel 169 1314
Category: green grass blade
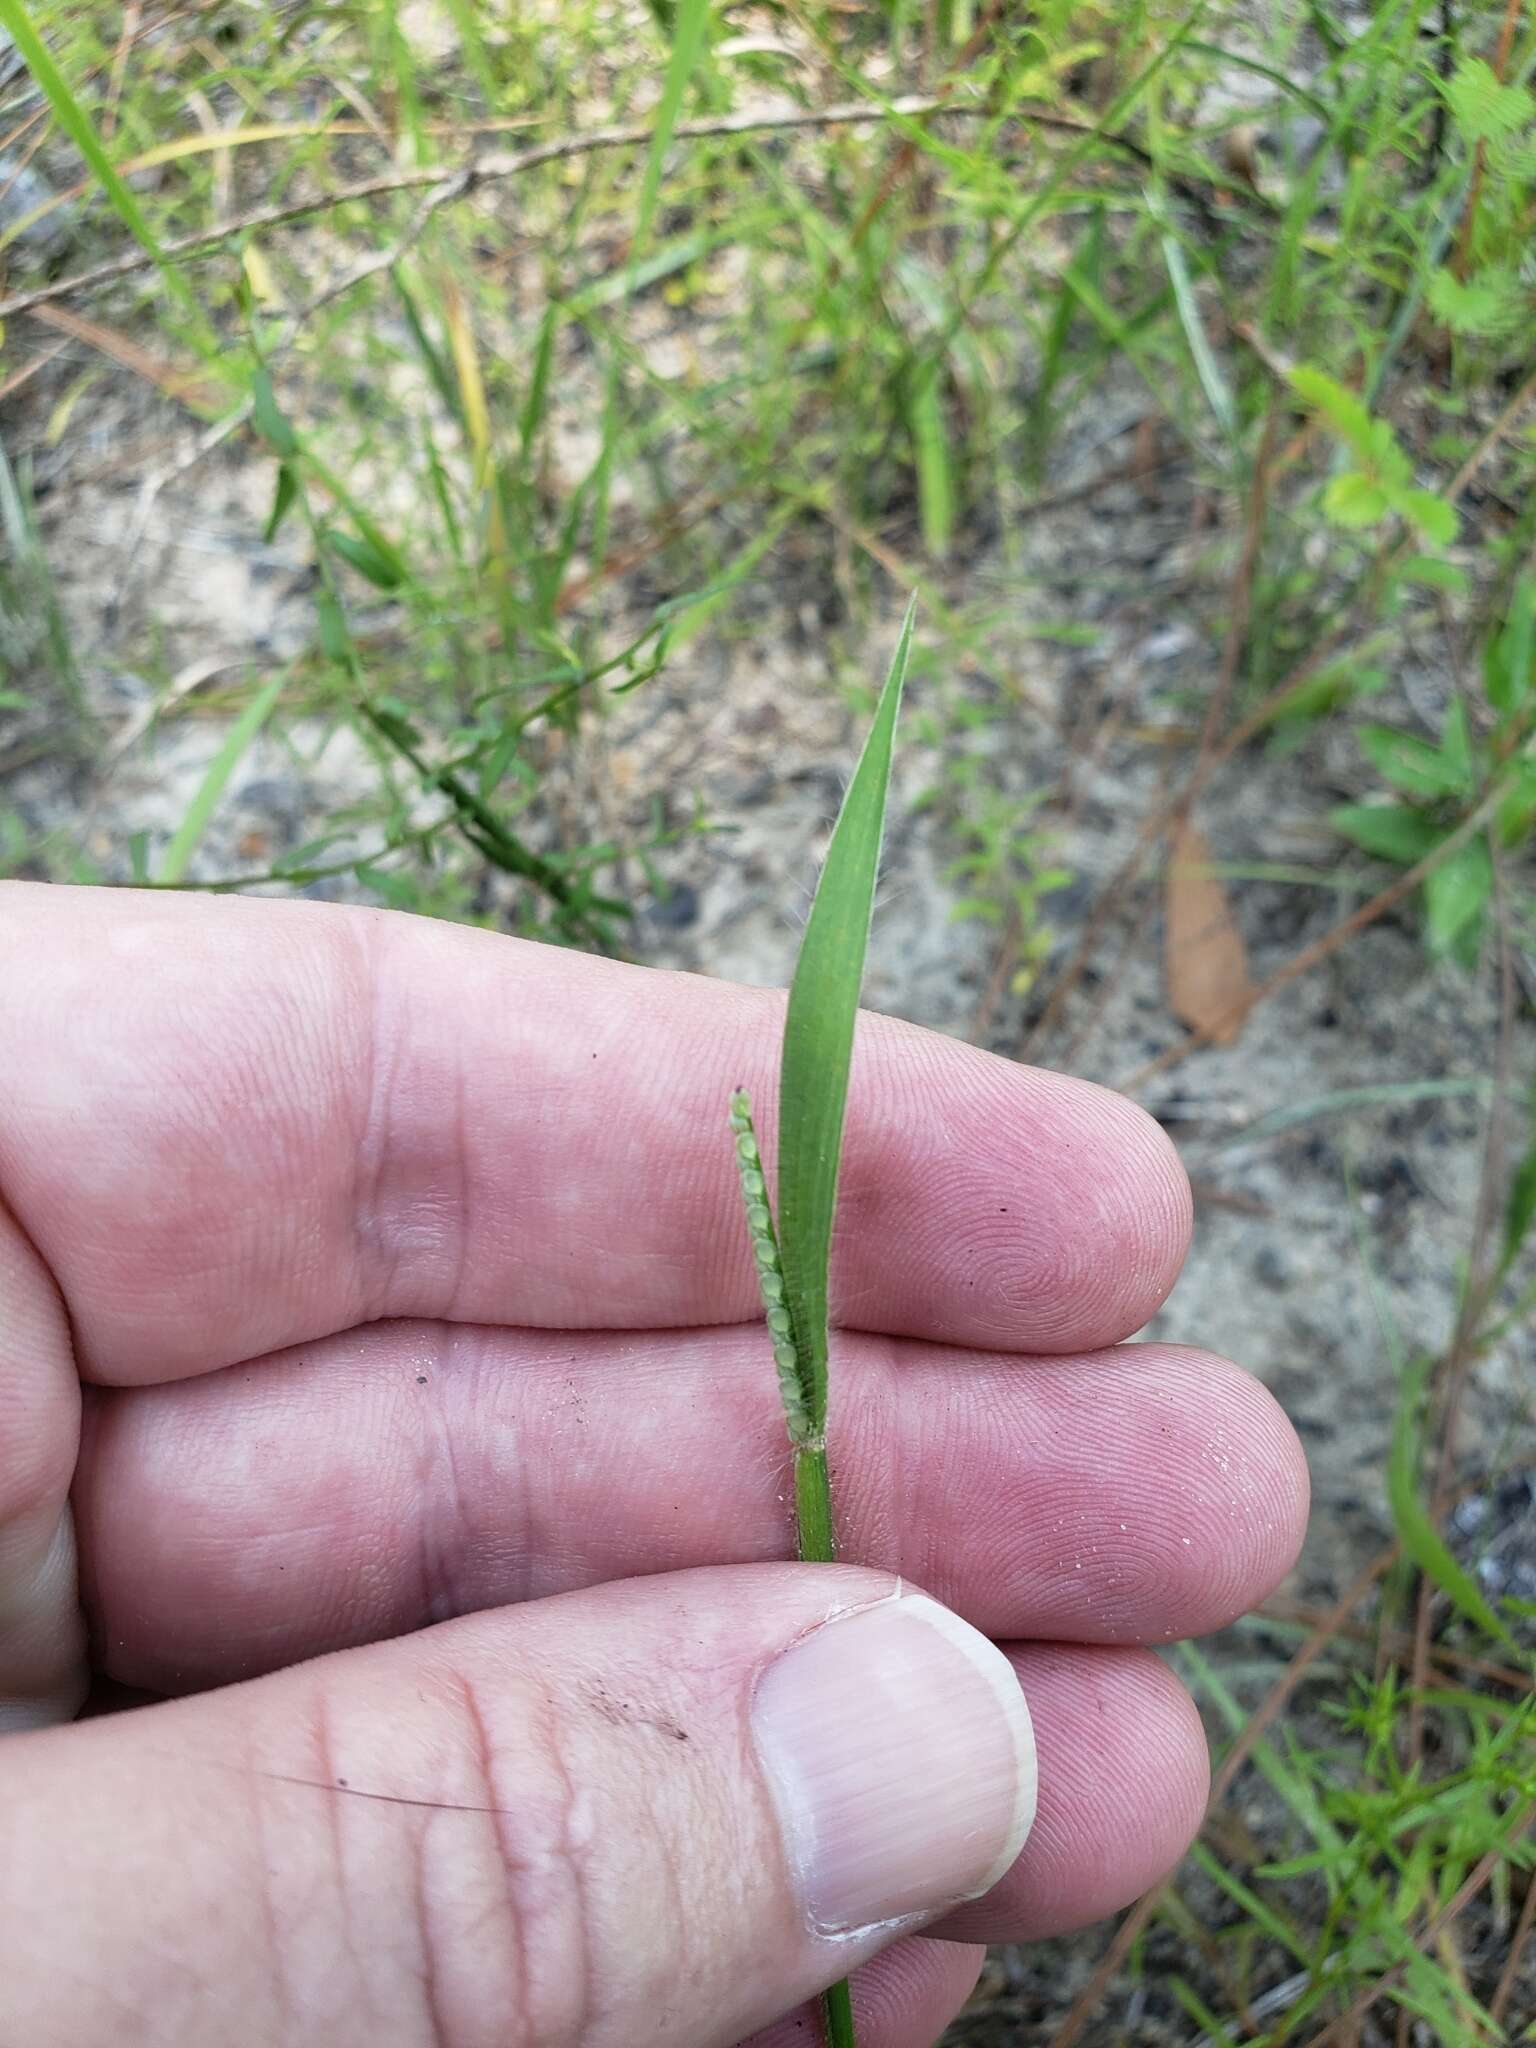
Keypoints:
pixel 1086 262
pixel 689 24
pixel 1243 62
pixel 189 832
pixel 837 2010
pixel 813 1093
pixel 466 15
pixel 818 1034
pixel 1263 1915
pixel 1420 1538
pixel 436 364
pixel 1339 1101
pixel 81 130
pixel 536 403
pixel 937 495
pixel 664 262
pixel 1279 1772
pixel 691 614
pixel 1217 394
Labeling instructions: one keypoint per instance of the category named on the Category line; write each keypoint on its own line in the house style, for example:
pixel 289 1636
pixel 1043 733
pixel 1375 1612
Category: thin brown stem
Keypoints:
pixel 1504 1990
pixel 1156 825
pixel 133 17
pixel 1397 1643
pixel 25 372
pixel 901 157
pixel 1239 606
pixel 492 169
pixel 1481 1283
pixel 1482 1268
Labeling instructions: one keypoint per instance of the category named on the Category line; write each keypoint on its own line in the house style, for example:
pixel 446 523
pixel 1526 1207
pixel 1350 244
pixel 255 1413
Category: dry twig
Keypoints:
pixel 1504 1990
pixel 443 184
pixel 1396 1642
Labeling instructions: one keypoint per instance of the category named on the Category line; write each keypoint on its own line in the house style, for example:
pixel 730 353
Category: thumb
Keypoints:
pixel 666 1809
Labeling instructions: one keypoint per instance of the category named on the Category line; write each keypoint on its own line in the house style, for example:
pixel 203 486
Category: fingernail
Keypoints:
pixel 902 1763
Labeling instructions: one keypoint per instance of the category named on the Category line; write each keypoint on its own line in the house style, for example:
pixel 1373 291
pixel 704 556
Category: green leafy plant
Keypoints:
pixel 1438 782
pixel 241 736
pixel 1399 1788
pixel 1006 872
pixel 1385 1842
pixel 1380 482
pixel 793 1262
pixel 42 701
pixel 1007 862
pixel 73 118
pixel 1487 296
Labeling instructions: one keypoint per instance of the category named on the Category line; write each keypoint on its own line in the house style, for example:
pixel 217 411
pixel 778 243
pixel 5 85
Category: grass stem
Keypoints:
pixel 813 1505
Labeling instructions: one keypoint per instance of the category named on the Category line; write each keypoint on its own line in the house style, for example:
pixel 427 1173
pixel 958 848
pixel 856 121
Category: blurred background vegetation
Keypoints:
pixel 471 455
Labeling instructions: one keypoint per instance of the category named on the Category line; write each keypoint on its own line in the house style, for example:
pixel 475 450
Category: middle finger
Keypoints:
pixel 363 1486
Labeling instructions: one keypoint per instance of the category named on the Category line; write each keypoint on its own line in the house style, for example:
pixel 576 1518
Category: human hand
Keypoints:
pixel 404 1271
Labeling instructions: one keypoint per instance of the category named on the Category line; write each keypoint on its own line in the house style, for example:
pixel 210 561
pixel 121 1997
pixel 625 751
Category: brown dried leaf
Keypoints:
pixel 185 385
pixel 1208 983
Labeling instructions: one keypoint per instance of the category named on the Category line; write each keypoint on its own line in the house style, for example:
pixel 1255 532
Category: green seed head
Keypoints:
pixel 770 1276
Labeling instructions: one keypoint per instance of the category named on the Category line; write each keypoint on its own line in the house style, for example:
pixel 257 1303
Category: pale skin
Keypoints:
pixel 376 1291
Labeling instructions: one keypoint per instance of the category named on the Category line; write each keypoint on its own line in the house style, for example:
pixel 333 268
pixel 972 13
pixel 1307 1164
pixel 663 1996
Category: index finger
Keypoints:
pixel 234 1125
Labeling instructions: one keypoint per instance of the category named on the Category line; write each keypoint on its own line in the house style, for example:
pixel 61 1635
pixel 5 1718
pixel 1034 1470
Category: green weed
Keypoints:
pixel 42 699
pixel 1406 1789
pixel 1438 783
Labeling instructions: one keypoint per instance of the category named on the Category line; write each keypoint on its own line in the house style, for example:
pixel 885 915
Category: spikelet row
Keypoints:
pixel 770 1273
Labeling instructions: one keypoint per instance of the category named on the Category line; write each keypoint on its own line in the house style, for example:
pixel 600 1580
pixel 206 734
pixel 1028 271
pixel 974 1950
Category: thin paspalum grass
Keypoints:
pixel 794 1260
pixel 815 1536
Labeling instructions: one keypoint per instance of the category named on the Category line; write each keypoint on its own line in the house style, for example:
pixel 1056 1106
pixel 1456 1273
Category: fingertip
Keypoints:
pixel 997 1205
pixel 903 1999
pixel 1130 1201
pixel 1207 1496
pixel 1130 1800
pixel 1124 1780
pixel 1249 1492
